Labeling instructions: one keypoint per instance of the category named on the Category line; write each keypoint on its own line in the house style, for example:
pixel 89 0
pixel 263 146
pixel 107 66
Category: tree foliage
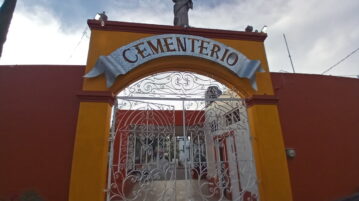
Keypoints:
pixel 6 12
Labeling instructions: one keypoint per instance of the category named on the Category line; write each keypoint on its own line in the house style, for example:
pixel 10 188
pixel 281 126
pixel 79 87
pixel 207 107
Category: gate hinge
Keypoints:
pixel 258 181
pixel 110 139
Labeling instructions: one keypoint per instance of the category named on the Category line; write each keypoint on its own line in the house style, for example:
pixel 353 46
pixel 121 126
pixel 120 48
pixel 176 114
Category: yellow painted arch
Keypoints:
pixel 89 167
pixel 184 63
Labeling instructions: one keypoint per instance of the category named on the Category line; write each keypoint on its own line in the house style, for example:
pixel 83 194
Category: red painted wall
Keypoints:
pixel 38 115
pixel 320 119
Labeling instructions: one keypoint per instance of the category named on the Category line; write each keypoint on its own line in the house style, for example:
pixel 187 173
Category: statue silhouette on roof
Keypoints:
pixel 180 10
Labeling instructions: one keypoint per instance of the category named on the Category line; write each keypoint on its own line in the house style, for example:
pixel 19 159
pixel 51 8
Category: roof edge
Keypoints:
pixel 166 29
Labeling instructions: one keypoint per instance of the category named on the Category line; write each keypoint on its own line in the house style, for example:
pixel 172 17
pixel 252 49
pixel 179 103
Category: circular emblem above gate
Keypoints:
pixel 128 57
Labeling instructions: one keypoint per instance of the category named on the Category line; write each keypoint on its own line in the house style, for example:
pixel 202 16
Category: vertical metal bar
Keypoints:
pixel 199 157
pixel 146 152
pixel 191 151
pixel 185 142
pixel 110 160
pixel 184 136
pixel 128 150
pixel 147 147
pixel 134 149
pixel 121 144
pixel 158 150
pixel 205 148
pixel 174 151
pixel 120 135
pixel 141 154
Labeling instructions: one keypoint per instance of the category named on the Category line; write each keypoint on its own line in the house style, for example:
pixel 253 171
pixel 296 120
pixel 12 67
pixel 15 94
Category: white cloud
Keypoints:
pixel 319 33
pixel 36 38
pixel 144 11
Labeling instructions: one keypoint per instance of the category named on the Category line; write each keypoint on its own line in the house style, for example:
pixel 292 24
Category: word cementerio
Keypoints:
pixel 130 56
pixel 166 45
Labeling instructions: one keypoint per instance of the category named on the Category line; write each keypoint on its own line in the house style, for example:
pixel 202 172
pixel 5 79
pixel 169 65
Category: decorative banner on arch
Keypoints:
pixel 128 57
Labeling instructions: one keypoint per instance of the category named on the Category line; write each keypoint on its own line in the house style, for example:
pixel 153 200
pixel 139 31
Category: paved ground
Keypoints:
pixel 183 188
pixel 179 190
pixel 180 174
pixel 174 190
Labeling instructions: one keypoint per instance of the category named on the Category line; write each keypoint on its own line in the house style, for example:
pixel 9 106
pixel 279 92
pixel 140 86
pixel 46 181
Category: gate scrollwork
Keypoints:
pixel 172 140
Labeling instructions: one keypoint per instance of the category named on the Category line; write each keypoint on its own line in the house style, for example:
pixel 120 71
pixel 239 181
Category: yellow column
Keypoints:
pixel 269 150
pixel 89 166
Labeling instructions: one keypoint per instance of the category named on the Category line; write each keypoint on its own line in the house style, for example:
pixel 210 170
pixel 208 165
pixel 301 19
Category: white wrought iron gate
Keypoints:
pixel 177 137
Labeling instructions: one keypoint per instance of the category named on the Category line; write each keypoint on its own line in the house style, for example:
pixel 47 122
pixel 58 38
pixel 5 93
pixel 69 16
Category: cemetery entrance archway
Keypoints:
pixel 179 136
pixel 89 178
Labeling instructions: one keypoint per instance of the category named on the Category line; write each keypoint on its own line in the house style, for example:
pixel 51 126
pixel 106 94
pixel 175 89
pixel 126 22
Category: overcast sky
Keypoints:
pixel 319 32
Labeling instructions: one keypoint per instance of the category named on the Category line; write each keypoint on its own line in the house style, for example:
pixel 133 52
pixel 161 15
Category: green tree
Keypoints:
pixel 6 12
pixel 30 196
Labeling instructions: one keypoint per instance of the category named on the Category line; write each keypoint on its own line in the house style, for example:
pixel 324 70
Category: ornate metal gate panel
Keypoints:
pixel 142 148
pixel 220 155
pixel 180 137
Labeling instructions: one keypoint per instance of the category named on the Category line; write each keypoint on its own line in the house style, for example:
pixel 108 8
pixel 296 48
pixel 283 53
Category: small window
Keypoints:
pixel 236 116
pixel 214 126
pixel 232 117
pixel 229 119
